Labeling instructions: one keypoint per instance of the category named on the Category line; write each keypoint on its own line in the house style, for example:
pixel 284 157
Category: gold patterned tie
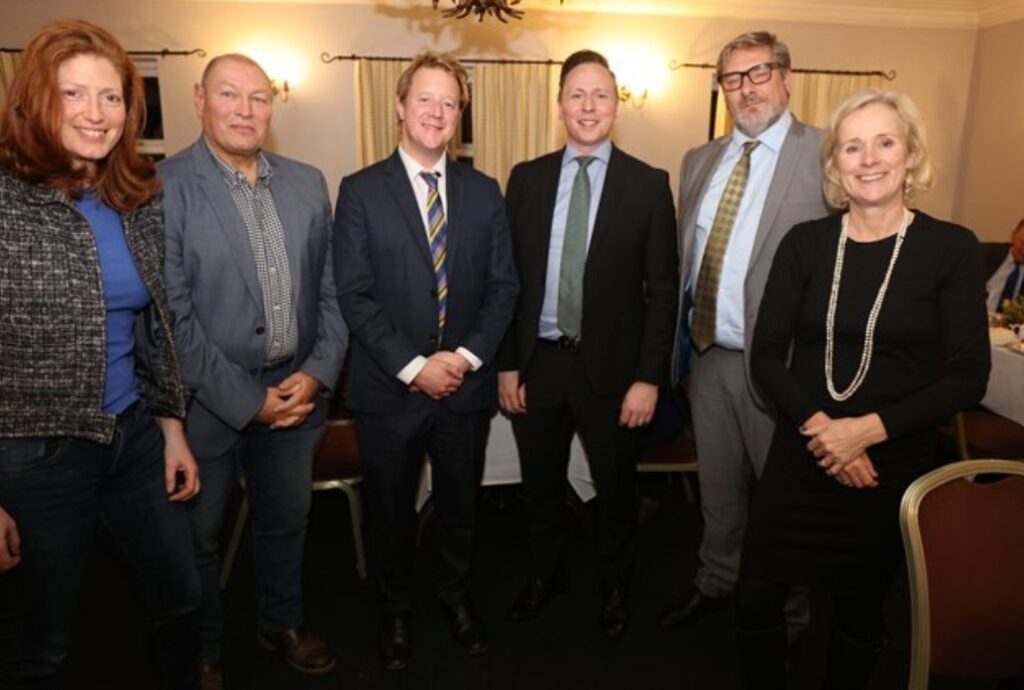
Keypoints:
pixel 705 299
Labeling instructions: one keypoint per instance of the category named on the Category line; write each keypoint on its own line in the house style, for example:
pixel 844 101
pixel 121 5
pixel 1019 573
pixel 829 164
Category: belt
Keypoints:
pixel 563 343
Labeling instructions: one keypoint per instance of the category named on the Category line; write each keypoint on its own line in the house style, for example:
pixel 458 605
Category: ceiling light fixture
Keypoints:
pixel 481 8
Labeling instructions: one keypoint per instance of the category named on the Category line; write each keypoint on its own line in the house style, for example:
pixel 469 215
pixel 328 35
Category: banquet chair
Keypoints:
pixel 979 433
pixel 964 541
pixel 336 465
pixel 676 455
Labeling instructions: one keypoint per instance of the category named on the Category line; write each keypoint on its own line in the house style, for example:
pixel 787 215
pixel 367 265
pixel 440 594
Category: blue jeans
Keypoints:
pixel 61 492
pixel 278 467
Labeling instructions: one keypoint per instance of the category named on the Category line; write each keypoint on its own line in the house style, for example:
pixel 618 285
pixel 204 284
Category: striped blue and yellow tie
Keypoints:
pixel 437 236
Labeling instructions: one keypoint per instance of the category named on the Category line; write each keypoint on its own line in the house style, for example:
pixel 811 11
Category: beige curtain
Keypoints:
pixel 8 65
pixel 812 99
pixel 377 126
pixel 513 115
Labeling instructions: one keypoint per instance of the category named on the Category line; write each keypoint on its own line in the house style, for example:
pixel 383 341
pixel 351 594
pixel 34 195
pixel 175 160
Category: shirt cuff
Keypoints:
pixel 411 370
pixel 474 361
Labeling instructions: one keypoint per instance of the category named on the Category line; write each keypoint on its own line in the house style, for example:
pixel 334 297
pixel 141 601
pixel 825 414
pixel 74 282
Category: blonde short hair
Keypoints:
pixel 442 61
pixel 920 175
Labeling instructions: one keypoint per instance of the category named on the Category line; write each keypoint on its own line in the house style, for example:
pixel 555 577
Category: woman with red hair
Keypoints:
pixel 91 438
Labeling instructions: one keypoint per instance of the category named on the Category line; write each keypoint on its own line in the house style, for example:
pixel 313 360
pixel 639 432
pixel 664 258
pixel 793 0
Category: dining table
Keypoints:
pixel 501 464
pixel 1005 392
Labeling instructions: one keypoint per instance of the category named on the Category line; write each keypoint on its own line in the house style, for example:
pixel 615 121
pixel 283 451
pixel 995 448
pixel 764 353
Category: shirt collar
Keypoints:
pixel 601 153
pixel 773 137
pixel 235 176
pixel 413 168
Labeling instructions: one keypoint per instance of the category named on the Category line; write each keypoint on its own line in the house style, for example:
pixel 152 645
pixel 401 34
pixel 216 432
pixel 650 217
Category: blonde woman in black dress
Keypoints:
pixel 871 331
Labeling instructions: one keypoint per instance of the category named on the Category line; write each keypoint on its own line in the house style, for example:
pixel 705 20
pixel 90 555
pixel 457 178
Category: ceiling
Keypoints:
pixel 952 14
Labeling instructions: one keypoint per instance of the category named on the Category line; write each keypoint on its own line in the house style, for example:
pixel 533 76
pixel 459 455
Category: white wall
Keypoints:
pixel 990 197
pixel 317 125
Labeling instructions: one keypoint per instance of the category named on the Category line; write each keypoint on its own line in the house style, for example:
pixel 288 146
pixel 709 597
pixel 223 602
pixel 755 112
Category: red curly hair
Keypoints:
pixel 30 141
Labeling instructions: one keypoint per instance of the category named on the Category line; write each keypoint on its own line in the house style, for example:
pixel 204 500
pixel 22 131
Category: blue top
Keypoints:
pixel 124 295
pixel 598 168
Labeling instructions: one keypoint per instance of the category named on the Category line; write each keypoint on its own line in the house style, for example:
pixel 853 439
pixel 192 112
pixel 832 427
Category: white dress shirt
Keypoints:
pixel 996 283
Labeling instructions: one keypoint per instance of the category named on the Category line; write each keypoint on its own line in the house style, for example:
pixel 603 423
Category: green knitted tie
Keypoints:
pixel 574 253
pixel 705 299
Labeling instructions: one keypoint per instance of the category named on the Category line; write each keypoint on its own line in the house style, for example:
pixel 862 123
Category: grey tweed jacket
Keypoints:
pixel 53 317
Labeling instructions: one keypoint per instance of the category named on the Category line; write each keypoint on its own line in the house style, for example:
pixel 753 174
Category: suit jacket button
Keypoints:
pixel 433 292
pixel 254 371
pixel 260 330
pixel 433 340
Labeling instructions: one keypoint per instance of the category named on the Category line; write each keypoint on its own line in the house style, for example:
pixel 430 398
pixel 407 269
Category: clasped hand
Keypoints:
pixel 442 375
pixel 840 445
pixel 290 402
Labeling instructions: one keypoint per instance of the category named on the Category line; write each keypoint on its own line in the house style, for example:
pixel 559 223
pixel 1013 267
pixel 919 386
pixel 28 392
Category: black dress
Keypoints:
pixel 931 358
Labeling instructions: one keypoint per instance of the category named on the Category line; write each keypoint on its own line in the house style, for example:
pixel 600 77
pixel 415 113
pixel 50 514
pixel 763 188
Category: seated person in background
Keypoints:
pixel 1005 283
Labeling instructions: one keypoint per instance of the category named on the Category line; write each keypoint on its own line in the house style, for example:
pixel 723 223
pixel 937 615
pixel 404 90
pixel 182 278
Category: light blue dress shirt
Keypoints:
pixel 597 170
pixel 729 313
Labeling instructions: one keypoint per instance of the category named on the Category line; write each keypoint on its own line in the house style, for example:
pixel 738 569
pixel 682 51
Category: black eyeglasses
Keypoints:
pixel 758 74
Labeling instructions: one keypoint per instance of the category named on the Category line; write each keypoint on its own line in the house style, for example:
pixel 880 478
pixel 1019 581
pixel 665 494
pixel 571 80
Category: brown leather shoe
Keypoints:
pixel 210 677
pixel 301 649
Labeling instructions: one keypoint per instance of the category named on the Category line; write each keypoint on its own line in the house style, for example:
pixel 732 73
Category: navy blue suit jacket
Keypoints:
pixel 386 284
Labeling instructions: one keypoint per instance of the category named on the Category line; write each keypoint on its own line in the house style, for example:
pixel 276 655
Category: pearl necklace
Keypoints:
pixel 869 331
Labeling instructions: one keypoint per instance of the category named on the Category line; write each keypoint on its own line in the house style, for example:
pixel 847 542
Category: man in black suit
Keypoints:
pixel 587 349
pixel 427 285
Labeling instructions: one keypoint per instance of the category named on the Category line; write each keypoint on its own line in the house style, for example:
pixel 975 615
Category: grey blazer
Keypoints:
pixel 214 291
pixel 794 195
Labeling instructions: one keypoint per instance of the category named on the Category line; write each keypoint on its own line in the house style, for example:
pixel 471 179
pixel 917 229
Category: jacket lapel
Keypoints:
pixel 230 223
pixel 785 168
pixel 547 187
pixel 453 211
pixel 610 195
pixel 400 189
pixel 293 223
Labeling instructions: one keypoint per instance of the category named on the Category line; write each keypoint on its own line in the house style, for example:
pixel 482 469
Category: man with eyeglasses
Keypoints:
pixel 739 195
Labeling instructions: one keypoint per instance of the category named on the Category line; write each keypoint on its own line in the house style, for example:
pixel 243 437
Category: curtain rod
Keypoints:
pixel 888 76
pixel 166 52
pixel 327 57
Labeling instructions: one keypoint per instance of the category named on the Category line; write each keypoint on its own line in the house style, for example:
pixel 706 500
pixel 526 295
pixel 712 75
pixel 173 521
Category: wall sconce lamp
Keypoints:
pixel 281 92
pixel 626 95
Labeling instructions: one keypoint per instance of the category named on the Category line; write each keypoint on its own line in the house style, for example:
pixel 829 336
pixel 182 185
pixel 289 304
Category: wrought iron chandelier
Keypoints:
pixel 481 8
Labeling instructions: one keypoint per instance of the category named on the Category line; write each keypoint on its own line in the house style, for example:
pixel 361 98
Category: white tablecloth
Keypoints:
pixel 502 464
pixel 1005 393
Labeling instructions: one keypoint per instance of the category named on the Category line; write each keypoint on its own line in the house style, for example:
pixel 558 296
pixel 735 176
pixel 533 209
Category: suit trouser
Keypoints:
pixel 392 446
pixel 733 436
pixel 559 402
pixel 278 466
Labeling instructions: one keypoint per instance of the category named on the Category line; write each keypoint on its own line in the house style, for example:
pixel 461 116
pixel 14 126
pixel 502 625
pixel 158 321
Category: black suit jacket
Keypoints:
pixel 630 283
pixel 386 284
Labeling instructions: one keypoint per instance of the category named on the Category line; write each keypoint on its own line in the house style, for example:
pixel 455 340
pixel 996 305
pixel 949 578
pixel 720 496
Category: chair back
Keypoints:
pixel 964 542
pixel 337 456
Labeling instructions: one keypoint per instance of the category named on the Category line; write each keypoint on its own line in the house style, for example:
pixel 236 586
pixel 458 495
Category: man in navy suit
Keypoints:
pixel 595 248
pixel 427 285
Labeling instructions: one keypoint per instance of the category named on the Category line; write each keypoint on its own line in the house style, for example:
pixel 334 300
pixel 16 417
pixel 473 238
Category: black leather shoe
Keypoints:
pixel 467 628
pixel 614 615
pixel 532 599
pixel 687 610
pixel 301 649
pixel 394 641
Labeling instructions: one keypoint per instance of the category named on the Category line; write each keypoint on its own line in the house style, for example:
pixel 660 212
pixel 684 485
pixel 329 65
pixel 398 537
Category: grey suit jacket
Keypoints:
pixel 794 195
pixel 215 294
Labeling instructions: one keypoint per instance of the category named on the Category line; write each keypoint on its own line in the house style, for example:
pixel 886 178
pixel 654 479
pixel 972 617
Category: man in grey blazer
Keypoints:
pixel 737 200
pixel 261 341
